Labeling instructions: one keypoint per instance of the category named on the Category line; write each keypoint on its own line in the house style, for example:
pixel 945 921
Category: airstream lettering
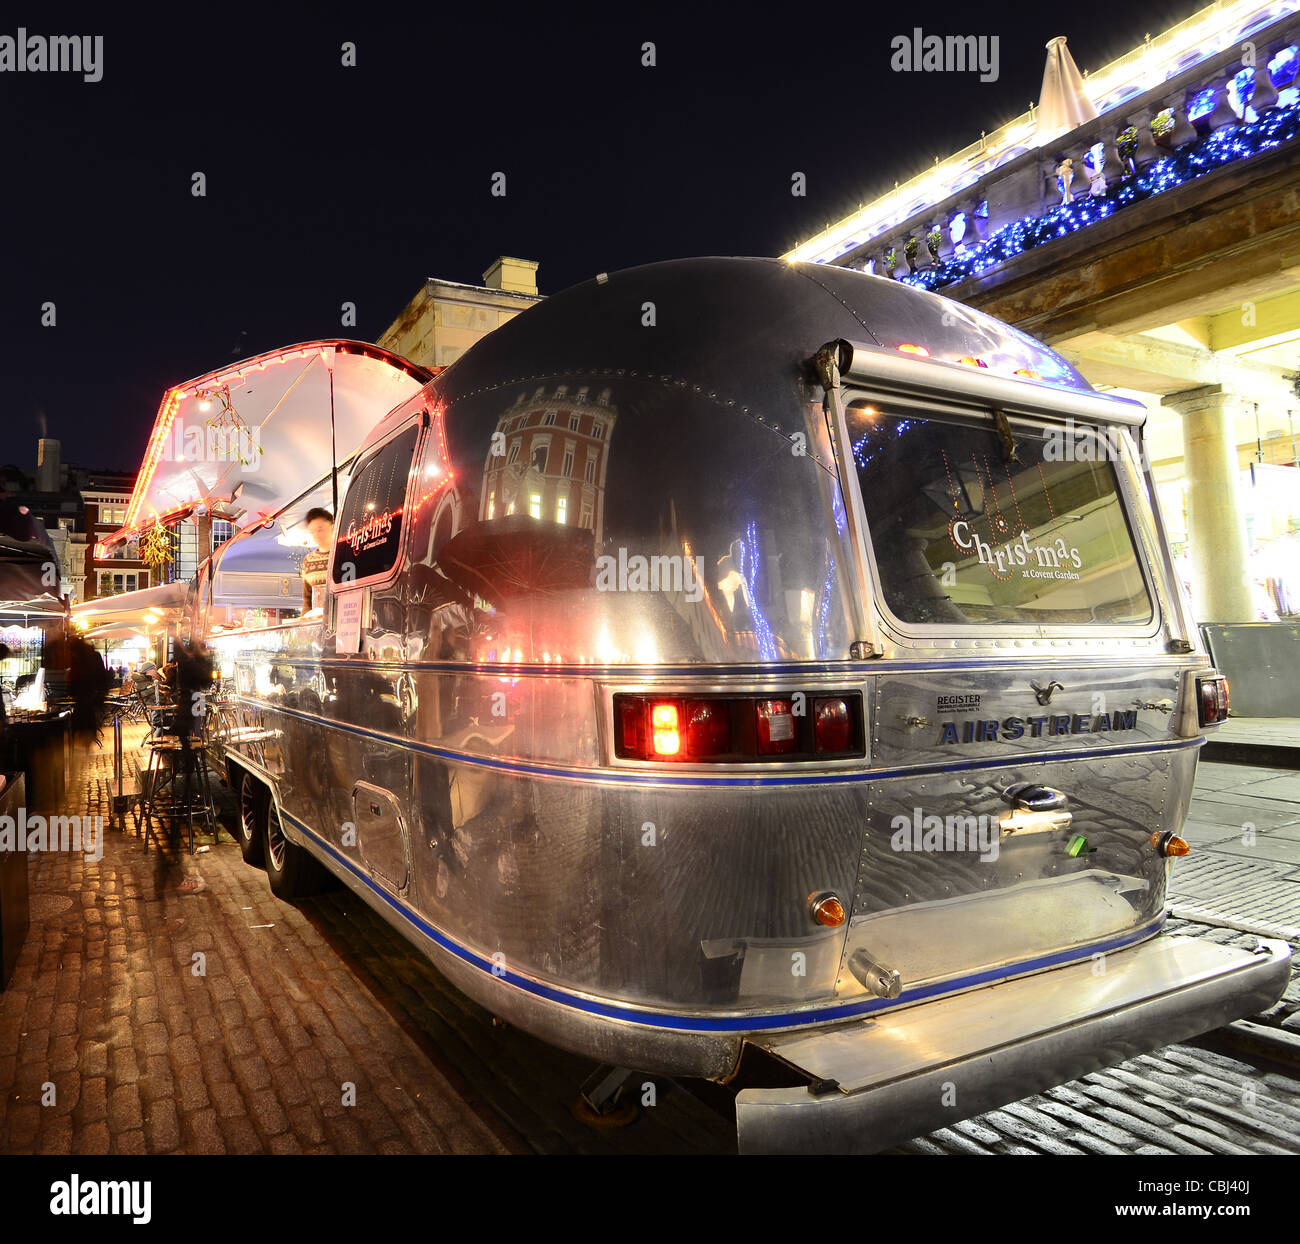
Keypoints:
pixel 617 703
pixel 1012 728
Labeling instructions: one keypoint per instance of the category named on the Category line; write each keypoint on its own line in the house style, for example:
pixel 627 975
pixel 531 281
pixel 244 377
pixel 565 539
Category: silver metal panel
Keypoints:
pixel 1084 710
pixel 929 941
pixel 564 875
pixel 381 835
pixel 941 891
pixel 994 1045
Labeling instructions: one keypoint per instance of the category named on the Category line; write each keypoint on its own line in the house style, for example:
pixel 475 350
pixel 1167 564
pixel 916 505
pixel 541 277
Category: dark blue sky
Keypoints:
pixel 329 184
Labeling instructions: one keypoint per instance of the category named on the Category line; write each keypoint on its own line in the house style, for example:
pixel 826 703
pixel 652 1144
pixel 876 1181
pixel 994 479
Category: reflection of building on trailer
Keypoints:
pixel 547 458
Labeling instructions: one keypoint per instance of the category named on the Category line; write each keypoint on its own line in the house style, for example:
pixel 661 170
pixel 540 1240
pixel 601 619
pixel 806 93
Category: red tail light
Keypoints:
pixel 629 727
pixel 708 728
pixel 656 729
pixel 776 732
pixel 665 729
pixel 738 729
pixel 832 726
pixel 1212 699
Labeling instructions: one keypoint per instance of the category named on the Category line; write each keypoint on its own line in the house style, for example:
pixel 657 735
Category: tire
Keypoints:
pixel 250 825
pixel 293 873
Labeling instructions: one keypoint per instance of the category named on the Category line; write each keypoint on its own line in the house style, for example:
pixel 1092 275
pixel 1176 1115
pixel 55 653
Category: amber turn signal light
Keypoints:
pixel 826 909
pixel 1170 844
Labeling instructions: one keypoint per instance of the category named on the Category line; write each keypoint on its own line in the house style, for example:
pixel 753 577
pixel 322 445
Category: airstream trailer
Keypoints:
pixel 732 660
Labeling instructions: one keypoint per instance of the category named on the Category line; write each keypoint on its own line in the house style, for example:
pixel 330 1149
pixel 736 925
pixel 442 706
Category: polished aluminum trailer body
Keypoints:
pixel 706 481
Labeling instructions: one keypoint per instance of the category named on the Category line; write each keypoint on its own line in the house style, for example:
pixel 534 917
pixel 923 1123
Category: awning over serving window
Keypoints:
pixel 246 439
pixel 150 607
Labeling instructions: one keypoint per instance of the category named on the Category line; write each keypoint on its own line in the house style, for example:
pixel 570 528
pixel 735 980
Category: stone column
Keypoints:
pixel 1216 525
pixel 1112 168
pixel 1223 115
pixel 1265 97
pixel 1146 152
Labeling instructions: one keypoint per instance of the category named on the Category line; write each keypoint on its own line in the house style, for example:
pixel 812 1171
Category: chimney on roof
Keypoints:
pixel 48 474
pixel 1064 103
pixel 512 276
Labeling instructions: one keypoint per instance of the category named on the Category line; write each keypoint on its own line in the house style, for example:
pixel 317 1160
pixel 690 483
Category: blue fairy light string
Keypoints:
pixel 1239 142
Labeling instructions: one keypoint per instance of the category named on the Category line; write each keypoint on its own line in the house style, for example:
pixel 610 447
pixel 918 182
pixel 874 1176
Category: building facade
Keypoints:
pixel 79 506
pixel 107 572
pixel 445 318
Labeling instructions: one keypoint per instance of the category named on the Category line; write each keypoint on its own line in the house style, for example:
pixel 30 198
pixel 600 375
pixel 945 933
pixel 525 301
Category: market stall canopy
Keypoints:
pixel 116 631
pixel 150 607
pixel 243 441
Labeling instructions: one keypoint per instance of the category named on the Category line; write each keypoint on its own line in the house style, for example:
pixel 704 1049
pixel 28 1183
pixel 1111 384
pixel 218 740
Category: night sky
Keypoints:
pixel 328 184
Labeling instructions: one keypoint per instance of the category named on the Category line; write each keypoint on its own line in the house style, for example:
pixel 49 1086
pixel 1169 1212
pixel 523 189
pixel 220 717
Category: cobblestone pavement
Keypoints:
pixel 1244 829
pixel 295 1003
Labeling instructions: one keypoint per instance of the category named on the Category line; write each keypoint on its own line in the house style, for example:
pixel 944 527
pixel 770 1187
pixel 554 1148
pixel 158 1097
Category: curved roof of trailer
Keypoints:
pixel 742 322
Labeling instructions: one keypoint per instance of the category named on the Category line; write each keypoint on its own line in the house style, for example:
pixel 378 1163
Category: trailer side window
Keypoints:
pixel 964 530
pixel 369 529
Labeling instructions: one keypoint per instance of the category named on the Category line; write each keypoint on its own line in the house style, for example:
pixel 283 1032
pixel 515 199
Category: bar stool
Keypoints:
pixel 167 765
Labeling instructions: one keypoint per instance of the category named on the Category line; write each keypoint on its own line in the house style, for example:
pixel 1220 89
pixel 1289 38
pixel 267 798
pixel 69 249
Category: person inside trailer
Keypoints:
pixel 320 526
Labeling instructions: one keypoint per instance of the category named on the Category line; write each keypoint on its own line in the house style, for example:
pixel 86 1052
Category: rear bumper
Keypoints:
pixel 887 1079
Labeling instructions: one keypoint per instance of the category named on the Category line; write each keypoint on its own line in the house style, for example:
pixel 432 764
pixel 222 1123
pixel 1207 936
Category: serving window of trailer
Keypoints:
pixel 368 531
pixel 973 525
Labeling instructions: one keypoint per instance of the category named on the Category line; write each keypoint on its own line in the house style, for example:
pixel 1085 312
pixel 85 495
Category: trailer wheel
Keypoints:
pixel 293 873
pixel 250 828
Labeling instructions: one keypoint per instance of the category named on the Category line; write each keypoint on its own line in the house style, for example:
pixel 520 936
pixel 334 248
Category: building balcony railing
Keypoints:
pixel 1196 160
pixel 1016 190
